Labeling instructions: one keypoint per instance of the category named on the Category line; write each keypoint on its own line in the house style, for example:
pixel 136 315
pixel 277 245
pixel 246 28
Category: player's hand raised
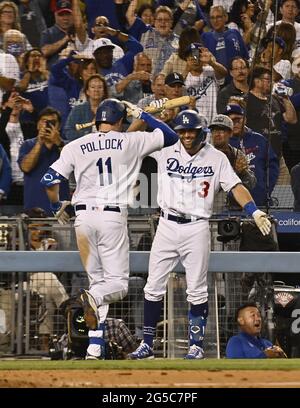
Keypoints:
pixel 133 110
pixel 59 212
pixel 262 221
pixel 159 103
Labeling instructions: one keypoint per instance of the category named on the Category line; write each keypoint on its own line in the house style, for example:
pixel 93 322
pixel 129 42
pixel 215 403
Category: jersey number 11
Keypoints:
pixel 107 170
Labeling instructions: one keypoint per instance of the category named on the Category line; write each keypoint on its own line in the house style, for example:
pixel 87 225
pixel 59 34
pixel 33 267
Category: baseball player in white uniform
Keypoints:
pixel 106 165
pixel 189 174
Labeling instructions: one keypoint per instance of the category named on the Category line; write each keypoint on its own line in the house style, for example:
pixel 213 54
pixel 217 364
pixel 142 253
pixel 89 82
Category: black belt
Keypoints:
pixel 179 220
pixel 82 207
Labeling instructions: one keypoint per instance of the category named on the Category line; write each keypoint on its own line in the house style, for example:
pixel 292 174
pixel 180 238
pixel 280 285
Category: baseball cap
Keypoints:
pixel 174 78
pixel 101 43
pixel 63 6
pixel 193 46
pixel 222 121
pixel 237 109
pixel 278 40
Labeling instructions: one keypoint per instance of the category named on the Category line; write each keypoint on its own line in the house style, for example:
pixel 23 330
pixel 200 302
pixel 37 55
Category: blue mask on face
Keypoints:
pixel 15 49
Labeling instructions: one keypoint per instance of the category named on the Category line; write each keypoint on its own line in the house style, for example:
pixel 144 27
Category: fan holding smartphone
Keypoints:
pixel 201 82
pixel 49 132
pixel 38 153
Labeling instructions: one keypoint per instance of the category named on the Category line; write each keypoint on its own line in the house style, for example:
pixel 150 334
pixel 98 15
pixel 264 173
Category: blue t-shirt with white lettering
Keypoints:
pixel 37 93
pixel 34 192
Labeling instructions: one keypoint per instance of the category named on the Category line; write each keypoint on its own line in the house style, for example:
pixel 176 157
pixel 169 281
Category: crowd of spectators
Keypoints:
pixel 69 55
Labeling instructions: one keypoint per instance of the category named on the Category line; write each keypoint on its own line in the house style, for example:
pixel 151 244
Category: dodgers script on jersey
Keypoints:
pixel 106 165
pixel 188 184
pixel 205 89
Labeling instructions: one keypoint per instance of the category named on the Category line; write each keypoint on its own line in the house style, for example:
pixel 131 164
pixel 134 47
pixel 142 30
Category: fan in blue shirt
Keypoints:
pixel 248 343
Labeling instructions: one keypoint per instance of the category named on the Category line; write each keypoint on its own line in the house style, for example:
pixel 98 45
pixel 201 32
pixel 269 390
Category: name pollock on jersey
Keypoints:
pixel 101 144
pixel 174 168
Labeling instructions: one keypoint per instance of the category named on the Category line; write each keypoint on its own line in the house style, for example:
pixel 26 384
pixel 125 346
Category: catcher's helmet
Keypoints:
pixel 110 111
pixel 189 119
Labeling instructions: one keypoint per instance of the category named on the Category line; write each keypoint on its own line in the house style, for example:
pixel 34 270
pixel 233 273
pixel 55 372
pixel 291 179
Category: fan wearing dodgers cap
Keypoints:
pixel 174 85
pixel 203 72
pixel 114 72
pixel 259 158
pixel 54 39
pixel 174 88
pixel 221 130
pixel 100 29
pixel 269 57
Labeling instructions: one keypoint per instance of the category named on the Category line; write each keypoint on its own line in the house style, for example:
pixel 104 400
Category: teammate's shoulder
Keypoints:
pixel 176 148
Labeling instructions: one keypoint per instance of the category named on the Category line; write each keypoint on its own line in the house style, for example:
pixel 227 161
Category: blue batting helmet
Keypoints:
pixel 189 119
pixel 110 111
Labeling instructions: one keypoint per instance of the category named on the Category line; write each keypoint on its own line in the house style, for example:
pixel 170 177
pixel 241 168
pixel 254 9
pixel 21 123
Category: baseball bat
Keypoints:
pixel 80 126
pixel 170 104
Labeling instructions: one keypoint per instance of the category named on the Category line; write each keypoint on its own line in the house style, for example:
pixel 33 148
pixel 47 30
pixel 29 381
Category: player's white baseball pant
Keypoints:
pixel 103 243
pixel 189 243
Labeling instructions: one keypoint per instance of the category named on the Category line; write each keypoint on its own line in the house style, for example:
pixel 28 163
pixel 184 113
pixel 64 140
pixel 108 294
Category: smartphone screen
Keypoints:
pixel 196 54
pixel 50 123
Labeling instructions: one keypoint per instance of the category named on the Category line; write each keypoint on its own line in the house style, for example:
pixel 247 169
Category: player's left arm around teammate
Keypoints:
pixel 51 181
pixel 244 198
pixel 170 136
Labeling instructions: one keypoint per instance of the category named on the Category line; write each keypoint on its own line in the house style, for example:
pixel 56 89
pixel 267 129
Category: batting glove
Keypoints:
pixel 59 211
pixel 262 222
pixel 159 103
pixel 133 110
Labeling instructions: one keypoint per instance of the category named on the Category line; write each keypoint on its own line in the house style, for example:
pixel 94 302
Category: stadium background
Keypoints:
pixel 24 307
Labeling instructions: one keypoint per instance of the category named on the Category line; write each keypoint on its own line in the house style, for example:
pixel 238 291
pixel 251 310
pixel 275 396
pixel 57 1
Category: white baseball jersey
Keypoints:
pixel 9 68
pixel 205 89
pixel 188 184
pixel 106 165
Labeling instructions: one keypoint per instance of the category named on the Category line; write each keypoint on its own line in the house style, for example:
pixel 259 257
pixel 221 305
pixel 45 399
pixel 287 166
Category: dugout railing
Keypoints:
pixel 23 308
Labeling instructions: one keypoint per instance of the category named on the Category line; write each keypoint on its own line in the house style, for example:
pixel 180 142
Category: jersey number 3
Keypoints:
pixel 205 187
pixel 105 170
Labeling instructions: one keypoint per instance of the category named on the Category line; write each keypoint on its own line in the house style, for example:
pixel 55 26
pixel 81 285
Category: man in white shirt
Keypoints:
pixel 202 79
